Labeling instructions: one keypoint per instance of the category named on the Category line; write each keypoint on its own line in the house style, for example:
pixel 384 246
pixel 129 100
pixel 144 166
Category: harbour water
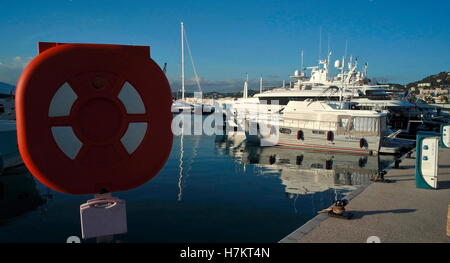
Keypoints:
pixel 212 189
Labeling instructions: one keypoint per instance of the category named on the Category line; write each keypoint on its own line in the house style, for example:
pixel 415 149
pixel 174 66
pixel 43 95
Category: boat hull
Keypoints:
pixel 317 141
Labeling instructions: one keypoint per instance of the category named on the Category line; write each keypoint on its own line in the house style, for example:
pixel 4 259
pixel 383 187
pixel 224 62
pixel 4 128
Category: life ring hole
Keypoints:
pixel 99 119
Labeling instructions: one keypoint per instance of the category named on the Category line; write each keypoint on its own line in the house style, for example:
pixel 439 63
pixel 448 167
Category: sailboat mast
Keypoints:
pixel 182 61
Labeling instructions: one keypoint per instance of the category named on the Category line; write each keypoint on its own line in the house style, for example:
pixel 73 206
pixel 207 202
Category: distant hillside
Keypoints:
pixel 396 86
pixel 440 80
pixel 6 88
pixel 217 95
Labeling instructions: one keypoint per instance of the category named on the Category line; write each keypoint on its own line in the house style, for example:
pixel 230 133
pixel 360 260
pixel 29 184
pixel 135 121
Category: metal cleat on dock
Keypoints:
pixel 338 210
pixel 380 178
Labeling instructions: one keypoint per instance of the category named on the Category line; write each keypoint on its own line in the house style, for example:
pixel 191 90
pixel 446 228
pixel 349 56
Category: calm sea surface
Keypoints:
pixel 212 189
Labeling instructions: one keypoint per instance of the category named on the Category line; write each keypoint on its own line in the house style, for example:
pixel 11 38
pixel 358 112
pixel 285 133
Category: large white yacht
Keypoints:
pixel 323 126
pixel 348 85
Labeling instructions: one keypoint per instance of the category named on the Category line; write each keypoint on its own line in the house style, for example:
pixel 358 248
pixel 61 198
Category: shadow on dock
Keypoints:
pixel 443 185
pixel 361 214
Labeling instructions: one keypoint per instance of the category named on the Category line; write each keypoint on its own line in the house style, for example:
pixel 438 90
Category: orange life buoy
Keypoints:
pixel 84 114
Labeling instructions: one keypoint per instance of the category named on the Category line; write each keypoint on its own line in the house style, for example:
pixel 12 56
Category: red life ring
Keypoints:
pixel 93 118
pixel 330 136
pixel 300 135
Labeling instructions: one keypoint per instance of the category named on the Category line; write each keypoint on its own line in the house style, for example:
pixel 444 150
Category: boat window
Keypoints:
pixel 274 100
pixel 285 131
pixel 366 107
pixel 284 161
pixel 365 124
pixel 313 125
pixel 2 108
pixel 318 132
pixel 317 165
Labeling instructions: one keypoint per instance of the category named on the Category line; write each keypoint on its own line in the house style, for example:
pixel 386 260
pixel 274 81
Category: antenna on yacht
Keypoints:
pixel 342 77
pixel 327 70
pixel 328 39
pixel 302 74
pixel 260 84
pixel 245 94
pixel 301 62
pixel 320 43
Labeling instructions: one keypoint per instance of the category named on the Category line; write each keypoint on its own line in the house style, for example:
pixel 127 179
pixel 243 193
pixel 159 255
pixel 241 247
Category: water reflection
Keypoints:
pixel 18 194
pixel 320 175
pixel 212 189
pixel 185 125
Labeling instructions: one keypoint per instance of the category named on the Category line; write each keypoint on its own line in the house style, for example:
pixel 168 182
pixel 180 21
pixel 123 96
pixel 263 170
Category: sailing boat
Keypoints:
pixel 182 105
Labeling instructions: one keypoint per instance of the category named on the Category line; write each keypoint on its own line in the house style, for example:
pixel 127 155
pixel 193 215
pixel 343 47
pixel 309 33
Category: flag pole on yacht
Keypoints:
pixel 182 61
pixel 245 95
pixel 299 81
pixel 301 62
pixel 261 84
pixel 320 43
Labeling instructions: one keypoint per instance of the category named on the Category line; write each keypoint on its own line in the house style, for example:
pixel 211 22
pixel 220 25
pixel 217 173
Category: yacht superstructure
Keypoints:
pixel 348 85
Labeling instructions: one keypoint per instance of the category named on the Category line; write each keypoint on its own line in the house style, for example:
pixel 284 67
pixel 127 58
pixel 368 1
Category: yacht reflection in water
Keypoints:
pixel 307 172
pixel 18 194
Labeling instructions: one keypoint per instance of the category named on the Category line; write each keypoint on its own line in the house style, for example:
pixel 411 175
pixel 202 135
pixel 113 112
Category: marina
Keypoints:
pixel 285 163
pixel 203 189
pixel 279 132
pixel 254 165
pixel 349 86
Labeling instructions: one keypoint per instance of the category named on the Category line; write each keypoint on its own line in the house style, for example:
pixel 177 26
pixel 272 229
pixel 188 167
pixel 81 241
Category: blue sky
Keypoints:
pixel 403 41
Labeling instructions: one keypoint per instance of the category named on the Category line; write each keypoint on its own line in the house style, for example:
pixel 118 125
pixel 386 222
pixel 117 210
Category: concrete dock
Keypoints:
pixel 395 212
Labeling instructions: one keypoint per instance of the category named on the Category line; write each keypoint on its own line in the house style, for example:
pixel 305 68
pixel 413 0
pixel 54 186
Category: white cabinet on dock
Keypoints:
pixel 427 161
pixel 445 136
